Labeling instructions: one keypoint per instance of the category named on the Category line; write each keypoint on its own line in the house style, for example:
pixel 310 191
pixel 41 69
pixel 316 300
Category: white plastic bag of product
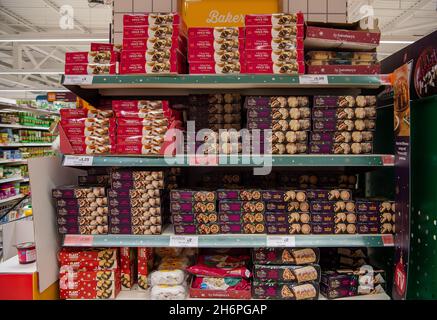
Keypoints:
pixel 165 292
pixel 167 277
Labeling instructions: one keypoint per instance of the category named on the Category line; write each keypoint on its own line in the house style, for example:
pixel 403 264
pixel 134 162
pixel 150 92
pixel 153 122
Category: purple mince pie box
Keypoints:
pixel 185 229
pixel 120 193
pixel 322 228
pixel 120 229
pixel 274 217
pixel 277 206
pixel 368 217
pixel 322 217
pixel 324 125
pixel 230 228
pixel 257 102
pixel 228 194
pixel 265 113
pixel 68 229
pixel 324 113
pixel 331 101
pixel 230 206
pixel 335 280
pixel 321 147
pixel 337 293
pixel 368 228
pixel 182 218
pixel 255 125
pixel 230 217
pixel 323 136
pixel 120 220
pixel 120 211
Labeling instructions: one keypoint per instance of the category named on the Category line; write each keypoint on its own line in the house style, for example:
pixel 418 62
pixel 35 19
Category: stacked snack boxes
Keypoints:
pixel 88 131
pixel 288 117
pixel 89 273
pixel 241 211
pixel 286 273
pixel 128 274
pixel 376 216
pixel 287 212
pixel 216 50
pixel 101 59
pixel 274 43
pixel 95 176
pixel 153 43
pixel 141 126
pixel 332 211
pixel 194 212
pixel 343 124
pixel 135 202
pixel 81 210
pixel 223 112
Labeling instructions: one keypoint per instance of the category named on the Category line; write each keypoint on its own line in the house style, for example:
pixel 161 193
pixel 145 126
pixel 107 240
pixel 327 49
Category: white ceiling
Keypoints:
pixel 399 20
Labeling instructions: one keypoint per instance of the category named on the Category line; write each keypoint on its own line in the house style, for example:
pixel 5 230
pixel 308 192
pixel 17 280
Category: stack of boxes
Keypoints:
pixel 88 131
pixel 288 117
pixel 322 62
pixel 376 216
pixel 194 212
pixel 287 212
pixel 241 211
pixel 216 50
pixel 343 124
pixel 102 59
pixel 332 211
pixel 141 126
pixel 223 112
pixel 153 43
pixel 286 274
pixel 135 202
pixel 81 210
pixel 89 273
pixel 274 43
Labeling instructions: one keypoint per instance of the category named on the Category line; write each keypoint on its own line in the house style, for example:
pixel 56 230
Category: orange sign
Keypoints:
pixel 226 13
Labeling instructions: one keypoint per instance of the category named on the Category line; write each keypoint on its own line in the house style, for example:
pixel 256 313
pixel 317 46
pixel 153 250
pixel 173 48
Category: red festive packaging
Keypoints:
pixel 102 289
pixel 150 19
pixel 216 68
pixel 270 32
pixel 91 149
pixel 268 55
pixel 173 65
pixel 83 69
pixel 216 33
pixel 102 46
pixel 84 113
pixel 345 69
pixel 220 288
pixel 274 44
pixel 141 32
pixel 154 43
pixel 68 274
pixel 145 264
pixel 127 267
pixel 136 105
pixel 90 140
pixel 221 266
pixel 76 254
pixel 217 45
pixel 275 19
pixel 140 148
pixel 91 57
pixel 149 55
pixel 209 55
pixel 295 67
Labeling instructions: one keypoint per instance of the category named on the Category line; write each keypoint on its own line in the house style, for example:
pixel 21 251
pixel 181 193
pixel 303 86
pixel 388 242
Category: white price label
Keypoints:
pixel 184 241
pixel 78 161
pixel 313 79
pixel 75 80
pixel 281 241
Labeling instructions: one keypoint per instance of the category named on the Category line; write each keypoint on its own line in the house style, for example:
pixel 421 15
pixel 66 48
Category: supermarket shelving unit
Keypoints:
pixel 173 87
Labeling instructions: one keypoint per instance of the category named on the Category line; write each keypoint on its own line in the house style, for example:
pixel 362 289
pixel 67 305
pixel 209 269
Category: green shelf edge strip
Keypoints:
pixel 254 161
pixel 229 79
pixel 236 241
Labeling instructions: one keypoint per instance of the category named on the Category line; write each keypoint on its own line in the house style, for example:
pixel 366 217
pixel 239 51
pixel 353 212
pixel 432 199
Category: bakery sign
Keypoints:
pixel 223 13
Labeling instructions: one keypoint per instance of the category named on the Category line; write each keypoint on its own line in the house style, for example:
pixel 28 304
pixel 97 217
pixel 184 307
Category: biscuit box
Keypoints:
pixel 329 195
pixel 296 274
pixel 69 274
pixel 253 228
pixel 145 261
pixel 151 19
pixel 213 33
pixel 71 192
pixel 289 228
pixel 380 206
pixel 294 67
pixel 84 255
pixel 343 136
pixel 97 57
pixel 206 217
pixel 107 289
pixel 216 45
pixel 275 19
pixel 368 217
pixel 334 280
pixel 83 211
pixel 231 228
pixel 344 101
pixel 181 218
pixel 344 113
pixel 284 218
pixel 254 114
pixel 191 207
pixel 173 65
pixel 144 32
pixel 368 228
pixel 285 290
pixel 136 211
pixel 345 228
pixel 216 68
pixel 208 228
pixel 322 228
pixel 135 202
pixel 228 194
pixel 155 44
pixel 185 229
pixel 84 229
pixel 338 292
pixel 252 217
pixel 137 184
pixel 230 217
pixel 343 125
pixel 285 256
pixel 322 218
pixel 254 102
pixel 269 32
pixel 192 196
pixel 134 193
pixel 128 270
pixel 82 202
pixel 90 68
pixel 138 105
pixel 283 195
pixel 332 206
pixel 217 56
pixel 241 206
pixel 83 220
pixel 68 114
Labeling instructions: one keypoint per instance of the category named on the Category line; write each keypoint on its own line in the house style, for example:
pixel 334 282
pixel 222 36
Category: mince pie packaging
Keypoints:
pixel 289 217
pixel 322 227
pixel 341 137
pixel 128 270
pixel 145 261
pixel 285 290
pixel 287 273
pixel 345 101
pixel 340 148
pixel 281 256
pixel 288 228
